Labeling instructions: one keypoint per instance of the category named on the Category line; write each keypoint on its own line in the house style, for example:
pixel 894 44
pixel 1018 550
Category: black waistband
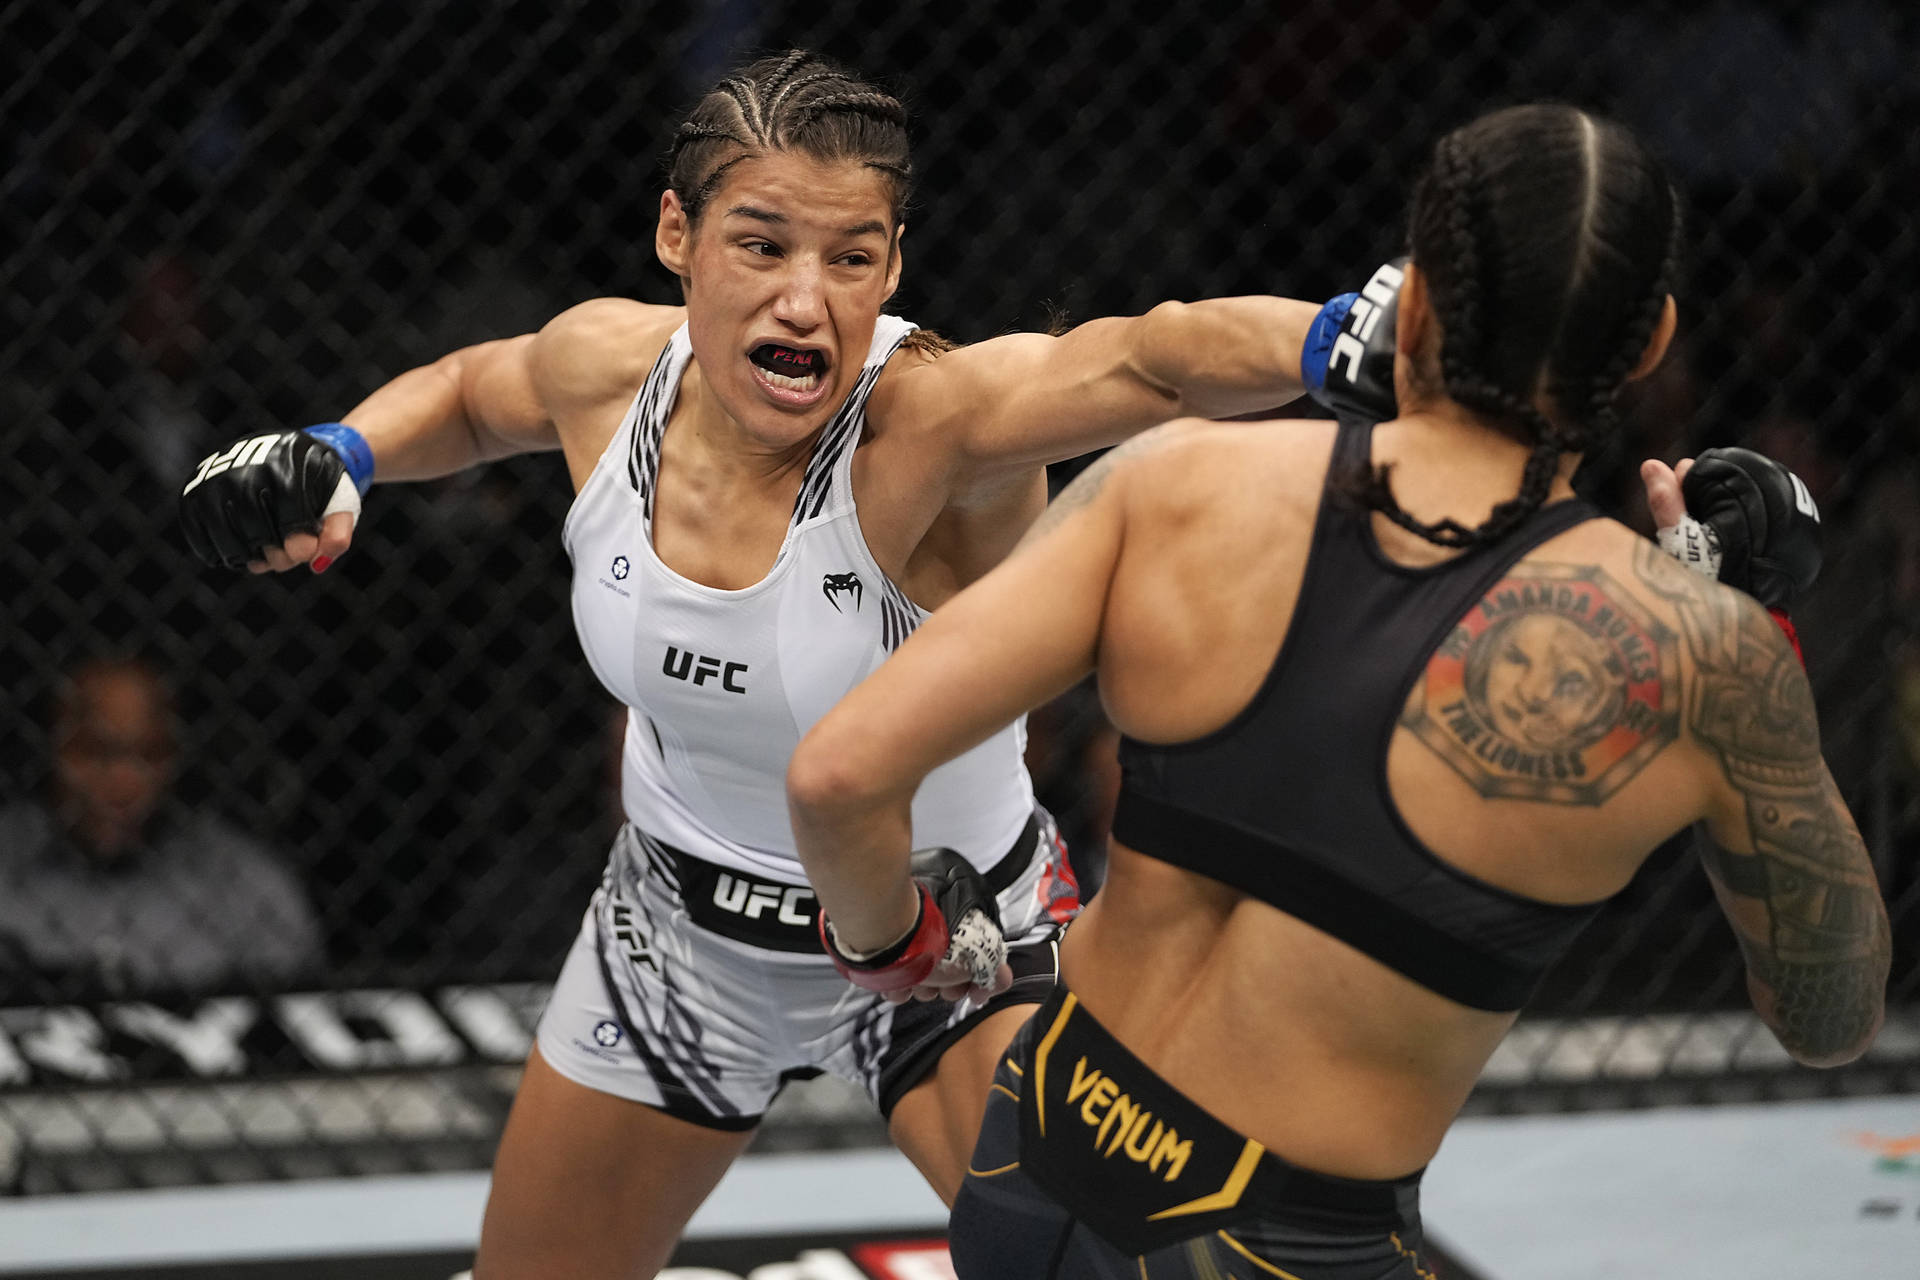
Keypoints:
pixel 784 917
pixel 1145 1166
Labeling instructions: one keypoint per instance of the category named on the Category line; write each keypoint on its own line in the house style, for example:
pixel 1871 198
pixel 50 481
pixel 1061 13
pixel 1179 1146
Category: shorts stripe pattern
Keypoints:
pixel 652 1006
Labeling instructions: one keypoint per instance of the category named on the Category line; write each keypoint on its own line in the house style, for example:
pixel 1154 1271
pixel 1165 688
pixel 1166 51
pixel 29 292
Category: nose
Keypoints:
pixel 802 304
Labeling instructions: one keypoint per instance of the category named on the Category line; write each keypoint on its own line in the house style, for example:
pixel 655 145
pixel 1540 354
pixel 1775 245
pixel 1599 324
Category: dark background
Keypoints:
pixel 221 217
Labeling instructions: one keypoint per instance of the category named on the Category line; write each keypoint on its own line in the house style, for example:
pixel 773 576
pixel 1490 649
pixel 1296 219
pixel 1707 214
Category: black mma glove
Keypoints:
pixel 1346 362
pixel 1751 524
pixel 935 952
pixel 259 490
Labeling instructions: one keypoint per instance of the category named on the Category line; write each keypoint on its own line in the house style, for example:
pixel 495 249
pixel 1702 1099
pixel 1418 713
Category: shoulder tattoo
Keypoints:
pixel 1085 487
pixel 1558 686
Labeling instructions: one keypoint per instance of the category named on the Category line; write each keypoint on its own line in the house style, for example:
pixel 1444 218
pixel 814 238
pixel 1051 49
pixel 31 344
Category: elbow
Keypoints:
pixel 1837 1049
pixel 1823 1059
pixel 1159 340
pixel 1819 1026
pixel 826 782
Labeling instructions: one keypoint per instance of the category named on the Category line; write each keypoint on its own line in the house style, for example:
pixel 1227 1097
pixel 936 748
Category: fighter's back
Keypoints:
pixel 1374 787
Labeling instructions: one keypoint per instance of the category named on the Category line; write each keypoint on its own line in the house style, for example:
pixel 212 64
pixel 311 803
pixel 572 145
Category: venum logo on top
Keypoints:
pixel 837 587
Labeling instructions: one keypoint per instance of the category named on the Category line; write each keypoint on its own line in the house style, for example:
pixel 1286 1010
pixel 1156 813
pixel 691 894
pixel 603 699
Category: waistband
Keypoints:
pixel 1146 1167
pixel 785 917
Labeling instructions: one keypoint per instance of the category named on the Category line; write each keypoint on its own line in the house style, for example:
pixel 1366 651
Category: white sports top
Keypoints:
pixel 721 685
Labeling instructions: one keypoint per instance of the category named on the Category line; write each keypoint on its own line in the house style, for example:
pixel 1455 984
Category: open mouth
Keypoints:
pixel 790 368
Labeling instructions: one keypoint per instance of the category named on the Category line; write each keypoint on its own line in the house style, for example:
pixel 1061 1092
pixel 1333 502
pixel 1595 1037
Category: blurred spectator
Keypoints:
pixel 112 888
pixel 163 341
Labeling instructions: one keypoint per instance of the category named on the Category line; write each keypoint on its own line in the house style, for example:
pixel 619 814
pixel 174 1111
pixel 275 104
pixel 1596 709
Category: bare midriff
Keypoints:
pixel 1328 1058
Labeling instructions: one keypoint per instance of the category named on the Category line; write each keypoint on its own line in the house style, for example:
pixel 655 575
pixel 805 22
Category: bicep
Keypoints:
pixel 1027 399
pixel 499 391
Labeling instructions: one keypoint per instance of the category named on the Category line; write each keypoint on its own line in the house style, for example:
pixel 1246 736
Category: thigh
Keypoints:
pixel 937 1122
pixel 1005 1227
pixel 593 1187
pixel 950 1059
pixel 653 1009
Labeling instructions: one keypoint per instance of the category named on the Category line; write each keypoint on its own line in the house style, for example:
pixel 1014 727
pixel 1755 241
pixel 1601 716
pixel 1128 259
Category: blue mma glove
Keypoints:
pixel 1346 362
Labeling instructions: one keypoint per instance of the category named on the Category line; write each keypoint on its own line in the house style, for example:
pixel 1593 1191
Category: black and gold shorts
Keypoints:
pixel 1090 1167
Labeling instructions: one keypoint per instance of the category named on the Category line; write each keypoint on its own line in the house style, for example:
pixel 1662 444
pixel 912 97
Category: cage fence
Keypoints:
pixel 221 216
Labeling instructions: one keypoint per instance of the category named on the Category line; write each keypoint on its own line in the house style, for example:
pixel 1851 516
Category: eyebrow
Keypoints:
pixel 872 226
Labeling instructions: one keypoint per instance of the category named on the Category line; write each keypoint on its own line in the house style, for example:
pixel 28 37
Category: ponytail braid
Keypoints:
pixel 1457 294
pixel 1602 408
pixel 1494 216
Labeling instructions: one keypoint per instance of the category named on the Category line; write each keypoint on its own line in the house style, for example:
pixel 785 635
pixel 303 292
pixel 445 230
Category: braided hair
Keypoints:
pixel 1549 239
pixel 793 101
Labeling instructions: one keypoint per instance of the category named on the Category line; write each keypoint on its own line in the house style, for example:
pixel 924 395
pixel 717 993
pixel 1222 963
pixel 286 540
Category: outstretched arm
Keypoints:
pixel 271 498
pixel 1021 635
pixel 1784 856
pixel 513 395
pixel 1027 399
pixel 469 406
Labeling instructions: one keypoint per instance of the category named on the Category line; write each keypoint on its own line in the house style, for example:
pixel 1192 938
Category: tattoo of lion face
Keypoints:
pixel 1556 686
pixel 1544 681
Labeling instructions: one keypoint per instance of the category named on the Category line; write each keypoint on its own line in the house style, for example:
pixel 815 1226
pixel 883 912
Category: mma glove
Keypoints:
pixel 261 489
pixel 1346 362
pixel 1751 524
pixel 956 941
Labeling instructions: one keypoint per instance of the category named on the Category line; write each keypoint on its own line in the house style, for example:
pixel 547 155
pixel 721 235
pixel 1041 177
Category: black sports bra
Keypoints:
pixel 1289 801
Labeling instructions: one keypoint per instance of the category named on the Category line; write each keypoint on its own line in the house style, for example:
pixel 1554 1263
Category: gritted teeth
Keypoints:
pixel 790 362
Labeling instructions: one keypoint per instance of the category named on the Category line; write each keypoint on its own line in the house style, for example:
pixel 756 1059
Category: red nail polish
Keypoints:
pixel 320 563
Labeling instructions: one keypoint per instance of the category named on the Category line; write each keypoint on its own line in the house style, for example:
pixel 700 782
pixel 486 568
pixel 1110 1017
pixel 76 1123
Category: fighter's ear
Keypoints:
pixel 673 237
pixel 893 260
pixel 1656 348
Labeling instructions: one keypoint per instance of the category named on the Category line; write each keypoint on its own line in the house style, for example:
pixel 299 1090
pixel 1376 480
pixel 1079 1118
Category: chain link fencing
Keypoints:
pixel 221 216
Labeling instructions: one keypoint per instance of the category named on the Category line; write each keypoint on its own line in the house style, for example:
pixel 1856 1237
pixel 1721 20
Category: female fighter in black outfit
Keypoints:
pixel 1393 732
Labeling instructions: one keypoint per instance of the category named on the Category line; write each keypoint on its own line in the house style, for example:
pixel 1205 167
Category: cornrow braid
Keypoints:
pixel 878 106
pixel 1460 285
pixel 1461 351
pixel 1463 315
pixel 1602 407
pixel 797 84
pixel 748 103
pixel 1497 213
pixel 794 60
pixel 790 102
pixel 692 132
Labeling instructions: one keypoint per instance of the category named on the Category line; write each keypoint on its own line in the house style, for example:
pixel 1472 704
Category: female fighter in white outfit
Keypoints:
pixel 776 482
